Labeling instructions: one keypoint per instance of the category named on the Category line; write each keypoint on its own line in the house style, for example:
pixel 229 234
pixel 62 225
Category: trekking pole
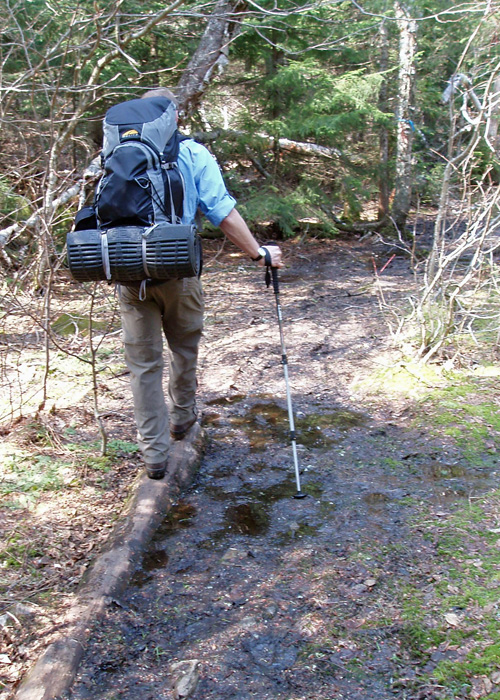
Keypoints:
pixel 273 271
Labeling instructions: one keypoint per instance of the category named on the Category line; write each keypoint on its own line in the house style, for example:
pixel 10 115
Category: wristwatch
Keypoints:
pixel 261 253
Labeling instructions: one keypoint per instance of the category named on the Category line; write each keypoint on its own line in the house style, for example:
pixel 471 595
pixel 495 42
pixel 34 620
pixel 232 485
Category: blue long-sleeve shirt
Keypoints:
pixel 204 186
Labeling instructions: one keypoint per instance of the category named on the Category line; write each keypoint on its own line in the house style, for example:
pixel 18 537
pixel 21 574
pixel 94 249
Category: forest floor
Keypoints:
pixel 383 582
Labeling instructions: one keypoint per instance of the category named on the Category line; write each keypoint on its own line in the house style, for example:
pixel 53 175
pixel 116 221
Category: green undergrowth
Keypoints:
pixel 450 619
pixel 461 406
pixel 39 476
pixel 453 616
pixel 27 474
pixel 447 620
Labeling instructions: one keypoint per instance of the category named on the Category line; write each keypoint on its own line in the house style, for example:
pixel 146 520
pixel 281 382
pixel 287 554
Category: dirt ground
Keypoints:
pixel 247 592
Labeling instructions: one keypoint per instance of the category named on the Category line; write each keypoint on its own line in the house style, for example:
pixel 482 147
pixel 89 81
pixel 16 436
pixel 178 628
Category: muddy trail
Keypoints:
pixel 245 591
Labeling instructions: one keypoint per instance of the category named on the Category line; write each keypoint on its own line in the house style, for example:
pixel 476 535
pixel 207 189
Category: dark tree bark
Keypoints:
pixel 211 52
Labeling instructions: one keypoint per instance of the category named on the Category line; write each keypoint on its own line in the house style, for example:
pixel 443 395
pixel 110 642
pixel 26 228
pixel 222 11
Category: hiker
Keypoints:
pixel 176 307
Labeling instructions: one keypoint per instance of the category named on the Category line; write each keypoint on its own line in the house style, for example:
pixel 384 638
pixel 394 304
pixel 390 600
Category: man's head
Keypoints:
pixel 162 92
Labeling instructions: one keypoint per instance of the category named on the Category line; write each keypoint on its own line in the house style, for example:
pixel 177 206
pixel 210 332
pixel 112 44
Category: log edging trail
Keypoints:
pixel 54 671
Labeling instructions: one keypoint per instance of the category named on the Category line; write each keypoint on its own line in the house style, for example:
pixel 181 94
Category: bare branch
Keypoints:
pixel 464 8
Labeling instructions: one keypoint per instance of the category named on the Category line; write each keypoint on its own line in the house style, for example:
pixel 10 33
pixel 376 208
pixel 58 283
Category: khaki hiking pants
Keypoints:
pixel 176 308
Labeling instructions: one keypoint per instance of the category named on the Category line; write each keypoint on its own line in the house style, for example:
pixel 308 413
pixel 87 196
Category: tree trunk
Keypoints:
pixel 212 51
pixel 406 88
pixel 492 134
pixel 383 182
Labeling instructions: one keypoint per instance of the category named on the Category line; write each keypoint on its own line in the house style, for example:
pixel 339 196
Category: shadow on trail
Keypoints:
pixel 279 598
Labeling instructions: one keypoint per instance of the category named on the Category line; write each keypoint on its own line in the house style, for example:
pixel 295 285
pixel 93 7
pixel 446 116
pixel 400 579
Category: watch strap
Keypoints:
pixel 261 253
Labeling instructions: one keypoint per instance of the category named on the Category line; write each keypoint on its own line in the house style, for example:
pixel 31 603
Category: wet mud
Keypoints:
pixel 275 597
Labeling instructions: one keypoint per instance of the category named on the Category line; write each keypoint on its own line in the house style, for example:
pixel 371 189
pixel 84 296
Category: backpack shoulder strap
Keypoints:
pixel 171 151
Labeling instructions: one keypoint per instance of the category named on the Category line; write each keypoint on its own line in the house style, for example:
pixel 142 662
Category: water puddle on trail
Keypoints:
pixel 247 519
pixel 264 421
pixel 226 400
pixel 269 494
pixel 241 509
pixel 252 516
pixel 318 429
pixel 180 517
pixel 154 559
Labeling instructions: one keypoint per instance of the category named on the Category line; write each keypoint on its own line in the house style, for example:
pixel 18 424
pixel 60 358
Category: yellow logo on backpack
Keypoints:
pixel 130 132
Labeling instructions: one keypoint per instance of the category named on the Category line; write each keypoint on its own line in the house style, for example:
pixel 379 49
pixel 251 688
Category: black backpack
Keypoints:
pixel 134 231
pixel 141 184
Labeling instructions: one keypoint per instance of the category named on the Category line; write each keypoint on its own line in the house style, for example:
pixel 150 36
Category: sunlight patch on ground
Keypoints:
pixel 68 382
pixel 408 379
pixel 416 380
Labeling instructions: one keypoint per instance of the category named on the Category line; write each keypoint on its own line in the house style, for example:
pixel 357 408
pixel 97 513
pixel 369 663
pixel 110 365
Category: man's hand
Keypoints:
pixel 275 253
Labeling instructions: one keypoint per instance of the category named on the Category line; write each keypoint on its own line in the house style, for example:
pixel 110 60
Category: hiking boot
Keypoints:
pixel 177 432
pixel 156 471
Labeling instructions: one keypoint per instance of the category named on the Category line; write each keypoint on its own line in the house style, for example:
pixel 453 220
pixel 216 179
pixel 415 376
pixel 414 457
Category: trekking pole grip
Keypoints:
pixel 271 272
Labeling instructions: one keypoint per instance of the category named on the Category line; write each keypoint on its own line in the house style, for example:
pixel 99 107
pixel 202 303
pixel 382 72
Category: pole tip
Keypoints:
pixel 300 494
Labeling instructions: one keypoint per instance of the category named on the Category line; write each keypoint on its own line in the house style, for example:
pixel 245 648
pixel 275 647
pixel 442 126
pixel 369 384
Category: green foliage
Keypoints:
pixel 25 479
pixel 306 102
pixel 267 206
pixel 16 551
pixel 13 206
pixel 317 104
pixel 310 76
pixel 429 183
pixel 284 211
pixel 460 614
pixel 118 447
pixel 485 161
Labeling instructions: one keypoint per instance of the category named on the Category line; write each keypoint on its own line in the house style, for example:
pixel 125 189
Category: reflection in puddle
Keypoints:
pixel 262 423
pixel 270 494
pixel 312 427
pixel 253 516
pixel 179 517
pixel 247 519
pixel 154 559
pixel 267 420
pixel 225 400
pixel 285 489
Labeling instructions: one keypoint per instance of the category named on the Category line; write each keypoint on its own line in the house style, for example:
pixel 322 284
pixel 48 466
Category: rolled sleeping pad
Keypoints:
pixel 134 253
